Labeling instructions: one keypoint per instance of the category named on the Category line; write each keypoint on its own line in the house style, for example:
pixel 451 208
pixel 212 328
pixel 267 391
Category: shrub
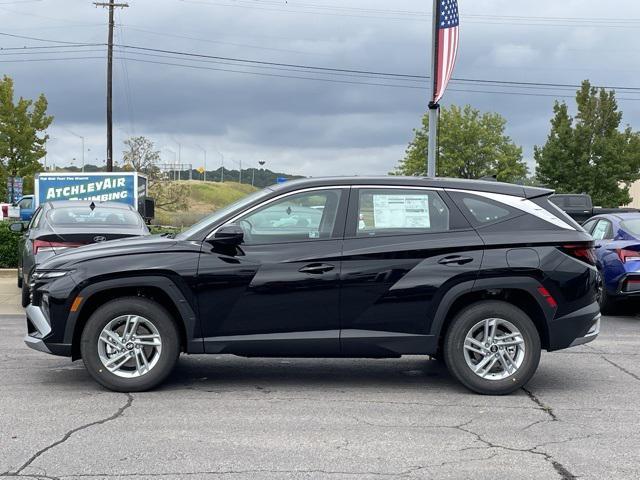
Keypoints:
pixel 8 246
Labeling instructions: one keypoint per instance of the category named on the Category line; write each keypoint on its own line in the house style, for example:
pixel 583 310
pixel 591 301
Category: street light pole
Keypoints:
pixel 222 173
pixel 205 162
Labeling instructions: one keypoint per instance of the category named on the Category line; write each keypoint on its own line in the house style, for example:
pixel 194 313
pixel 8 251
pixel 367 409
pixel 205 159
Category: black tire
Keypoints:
pixel 465 321
pixel 19 279
pixel 25 295
pixel 608 305
pixel 155 314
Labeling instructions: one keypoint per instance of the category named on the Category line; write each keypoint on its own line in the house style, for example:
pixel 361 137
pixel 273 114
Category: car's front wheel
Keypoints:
pixel 492 348
pixel 130 344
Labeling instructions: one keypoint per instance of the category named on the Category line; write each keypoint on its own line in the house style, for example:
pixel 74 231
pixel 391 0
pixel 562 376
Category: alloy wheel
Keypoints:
pixel 129 346
pixel 494 349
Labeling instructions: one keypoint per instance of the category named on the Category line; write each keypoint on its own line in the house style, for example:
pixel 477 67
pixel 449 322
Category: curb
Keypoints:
pixel 8 272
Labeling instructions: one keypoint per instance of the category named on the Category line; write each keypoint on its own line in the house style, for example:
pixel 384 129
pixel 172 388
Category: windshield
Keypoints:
pixel 631 226
pixel 100 216
pixel 218 214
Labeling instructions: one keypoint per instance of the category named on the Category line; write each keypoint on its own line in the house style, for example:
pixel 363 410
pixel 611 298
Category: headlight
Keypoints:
pixel 49 274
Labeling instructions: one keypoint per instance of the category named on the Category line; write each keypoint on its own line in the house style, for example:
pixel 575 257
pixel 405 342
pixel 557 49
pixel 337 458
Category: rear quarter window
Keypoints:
pixel 482 211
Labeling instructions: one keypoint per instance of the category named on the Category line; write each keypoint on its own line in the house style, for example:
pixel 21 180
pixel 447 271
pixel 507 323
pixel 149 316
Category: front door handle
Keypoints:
pixel 457 260
pixel 316 268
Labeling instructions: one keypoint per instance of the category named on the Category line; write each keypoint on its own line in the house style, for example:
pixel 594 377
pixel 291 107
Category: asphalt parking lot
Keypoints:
pixel 228 417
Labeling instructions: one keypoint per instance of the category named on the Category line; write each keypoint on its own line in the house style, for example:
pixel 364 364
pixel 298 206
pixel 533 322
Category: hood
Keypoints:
pixel 146 244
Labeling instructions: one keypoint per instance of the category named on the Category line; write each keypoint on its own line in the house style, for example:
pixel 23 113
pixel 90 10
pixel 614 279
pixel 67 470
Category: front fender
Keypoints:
pixel 185 310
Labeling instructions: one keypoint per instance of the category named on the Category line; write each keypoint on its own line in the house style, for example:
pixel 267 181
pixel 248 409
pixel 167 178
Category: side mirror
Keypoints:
pixel 229 235
pixel 17 227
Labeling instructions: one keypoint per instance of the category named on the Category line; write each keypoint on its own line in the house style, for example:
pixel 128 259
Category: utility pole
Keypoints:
pixel 110 5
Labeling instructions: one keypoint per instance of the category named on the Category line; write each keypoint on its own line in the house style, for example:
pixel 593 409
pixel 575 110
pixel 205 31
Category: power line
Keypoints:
pixel 49 59
pixel 370 72
pixel 206 40
pixel 37 39
pixel 44 47
pixel 421 16
pixel 314 68
pixel 127 84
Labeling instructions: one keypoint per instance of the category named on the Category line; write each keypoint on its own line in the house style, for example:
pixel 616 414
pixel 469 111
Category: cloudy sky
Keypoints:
pixel 304 121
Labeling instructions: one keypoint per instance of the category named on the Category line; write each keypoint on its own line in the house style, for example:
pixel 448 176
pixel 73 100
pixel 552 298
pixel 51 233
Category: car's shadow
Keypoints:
pixel 229 372
pixel 626 308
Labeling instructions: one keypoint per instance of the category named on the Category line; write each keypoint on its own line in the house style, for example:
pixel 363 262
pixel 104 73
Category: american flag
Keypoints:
pixel 446 49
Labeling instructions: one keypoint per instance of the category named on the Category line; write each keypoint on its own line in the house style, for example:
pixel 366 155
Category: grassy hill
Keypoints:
pixel 204 198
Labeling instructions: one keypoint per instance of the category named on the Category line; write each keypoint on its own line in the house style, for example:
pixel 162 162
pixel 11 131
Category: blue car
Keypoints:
pixel 617 243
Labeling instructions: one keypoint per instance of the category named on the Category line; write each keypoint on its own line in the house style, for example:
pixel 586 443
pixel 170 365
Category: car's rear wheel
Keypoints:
pixel 608 304
pixel 130 344
pixel 492 348
pixel 19 277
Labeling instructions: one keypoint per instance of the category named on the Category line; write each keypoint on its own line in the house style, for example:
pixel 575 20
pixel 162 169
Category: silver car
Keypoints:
pixel 58 226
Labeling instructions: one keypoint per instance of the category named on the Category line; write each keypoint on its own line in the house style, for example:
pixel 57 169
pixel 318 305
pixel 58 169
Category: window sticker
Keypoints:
pixel 401 211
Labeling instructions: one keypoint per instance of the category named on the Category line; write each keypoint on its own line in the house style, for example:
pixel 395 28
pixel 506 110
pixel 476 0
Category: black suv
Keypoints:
pixel 482 275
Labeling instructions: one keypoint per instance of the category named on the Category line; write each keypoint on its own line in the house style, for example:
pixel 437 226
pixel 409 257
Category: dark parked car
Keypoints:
pixel 580 207
pixel 617 243
pixel 57 226
pixel 483 275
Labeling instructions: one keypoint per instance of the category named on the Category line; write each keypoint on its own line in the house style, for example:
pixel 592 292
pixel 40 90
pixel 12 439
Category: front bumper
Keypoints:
pixel 38 328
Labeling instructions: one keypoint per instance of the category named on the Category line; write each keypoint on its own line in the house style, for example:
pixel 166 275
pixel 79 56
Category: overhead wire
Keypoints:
pixel 302 71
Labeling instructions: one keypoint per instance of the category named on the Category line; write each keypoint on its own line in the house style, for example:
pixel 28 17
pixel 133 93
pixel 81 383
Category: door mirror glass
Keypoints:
pixel 231 234
pixel 17 227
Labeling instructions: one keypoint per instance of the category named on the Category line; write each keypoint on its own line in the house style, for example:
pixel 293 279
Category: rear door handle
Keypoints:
pixel 317 268
pixel 457 260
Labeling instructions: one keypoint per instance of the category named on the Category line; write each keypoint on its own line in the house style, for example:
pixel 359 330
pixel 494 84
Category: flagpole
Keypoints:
pixel 433 107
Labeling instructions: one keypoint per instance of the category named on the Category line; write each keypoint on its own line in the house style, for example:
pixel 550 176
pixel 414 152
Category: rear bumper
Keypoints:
pixel 590 336
pixel 575 328
pixel 628 285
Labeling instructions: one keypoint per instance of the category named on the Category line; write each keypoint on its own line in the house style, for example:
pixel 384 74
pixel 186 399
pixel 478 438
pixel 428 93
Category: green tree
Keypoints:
pixel 141 156
pixel 471 144
pixel 22 137
pixel 590 153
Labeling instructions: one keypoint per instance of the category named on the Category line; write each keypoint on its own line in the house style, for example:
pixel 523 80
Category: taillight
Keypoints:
pixel 44 246
pixel 627 255
pixel 581 252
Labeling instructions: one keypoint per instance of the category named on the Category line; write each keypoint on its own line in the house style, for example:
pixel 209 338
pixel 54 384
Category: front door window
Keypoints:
pixel 300 217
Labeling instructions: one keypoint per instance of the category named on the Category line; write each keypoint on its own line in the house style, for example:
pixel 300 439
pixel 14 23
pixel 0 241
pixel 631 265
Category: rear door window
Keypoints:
pixel 399 211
